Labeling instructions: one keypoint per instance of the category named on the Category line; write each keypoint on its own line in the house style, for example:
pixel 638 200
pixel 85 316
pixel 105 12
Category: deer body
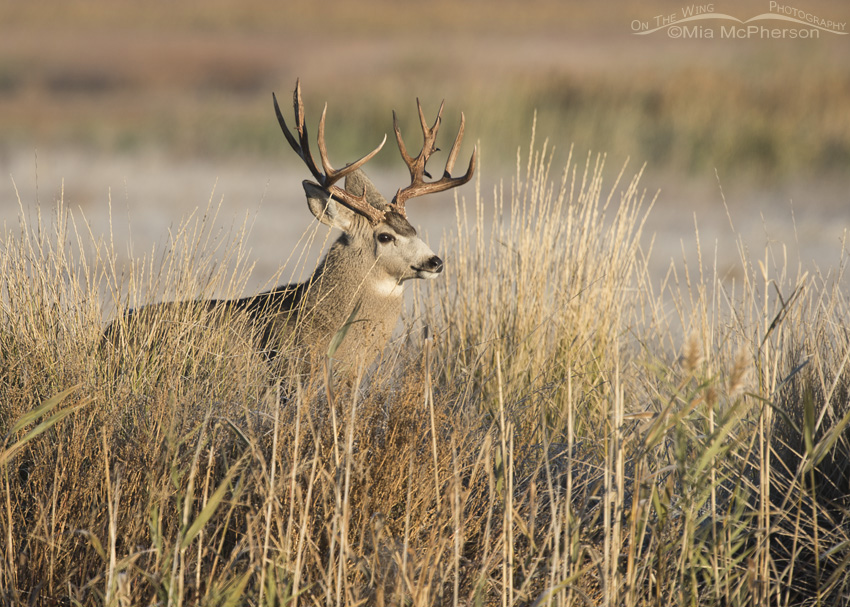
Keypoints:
pixel 363 271
pixel 365 268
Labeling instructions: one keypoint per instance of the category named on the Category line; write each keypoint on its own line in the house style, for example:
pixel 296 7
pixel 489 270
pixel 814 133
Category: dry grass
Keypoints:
pixel 569 433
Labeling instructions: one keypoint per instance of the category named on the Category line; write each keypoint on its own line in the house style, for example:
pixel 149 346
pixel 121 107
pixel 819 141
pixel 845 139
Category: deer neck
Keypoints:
pixel 344 279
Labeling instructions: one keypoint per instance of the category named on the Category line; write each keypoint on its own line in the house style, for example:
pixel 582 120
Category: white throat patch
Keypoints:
pixel 387 287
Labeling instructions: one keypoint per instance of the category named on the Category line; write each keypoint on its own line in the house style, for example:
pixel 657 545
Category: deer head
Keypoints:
pixel 376 233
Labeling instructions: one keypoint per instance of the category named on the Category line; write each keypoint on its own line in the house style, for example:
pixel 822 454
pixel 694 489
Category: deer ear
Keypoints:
pixel 326 209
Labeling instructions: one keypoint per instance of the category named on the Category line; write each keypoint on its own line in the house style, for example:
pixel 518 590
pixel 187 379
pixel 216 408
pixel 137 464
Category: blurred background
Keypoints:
pixel 143 112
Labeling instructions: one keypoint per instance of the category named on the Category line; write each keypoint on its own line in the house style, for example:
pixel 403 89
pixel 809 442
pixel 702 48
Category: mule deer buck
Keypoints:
pixel 363 273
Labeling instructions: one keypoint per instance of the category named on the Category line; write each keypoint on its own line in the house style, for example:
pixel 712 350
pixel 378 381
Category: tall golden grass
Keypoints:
pixel 567 432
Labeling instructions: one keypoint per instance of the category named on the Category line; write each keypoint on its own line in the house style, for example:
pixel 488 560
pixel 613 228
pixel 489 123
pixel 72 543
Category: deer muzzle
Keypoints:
pixel 430 269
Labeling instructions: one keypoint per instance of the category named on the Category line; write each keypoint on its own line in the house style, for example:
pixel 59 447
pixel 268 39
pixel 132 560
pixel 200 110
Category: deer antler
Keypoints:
pixel 330 176
pixel 418 186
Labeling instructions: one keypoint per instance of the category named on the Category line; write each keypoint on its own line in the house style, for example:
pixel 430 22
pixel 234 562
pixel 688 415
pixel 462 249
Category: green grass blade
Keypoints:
pixel 719 438
pixel 336 341
pixel 211 507
pixel 45 425
pixel 42 409
pixel 94 541
pixel 234 593
pixel 824 446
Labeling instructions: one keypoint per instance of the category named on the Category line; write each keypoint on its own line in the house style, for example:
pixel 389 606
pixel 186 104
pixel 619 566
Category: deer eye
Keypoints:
pixel 385 238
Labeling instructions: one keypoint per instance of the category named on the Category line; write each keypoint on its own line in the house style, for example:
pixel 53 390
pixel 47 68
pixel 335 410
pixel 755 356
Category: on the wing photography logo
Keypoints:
pixel 702 21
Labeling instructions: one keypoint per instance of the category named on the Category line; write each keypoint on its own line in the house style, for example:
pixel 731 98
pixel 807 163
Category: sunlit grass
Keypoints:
pixel 568 431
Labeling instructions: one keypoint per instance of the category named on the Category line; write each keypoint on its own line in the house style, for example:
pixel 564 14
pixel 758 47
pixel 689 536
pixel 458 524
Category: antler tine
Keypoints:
pixel 430 134
pixel 302 145
pixel 450 163
pixel 330 176
pixel 470 170
pixel 292 142
pixel 422 120
pixel 401 147
pixel 323 150
pixel 433 130
pixel 353 166
pixel 333 175
pixel 301 126
pixel 418 186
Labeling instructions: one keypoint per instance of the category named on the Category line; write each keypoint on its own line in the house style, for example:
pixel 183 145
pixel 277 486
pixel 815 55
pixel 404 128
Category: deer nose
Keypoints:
pixel 435 264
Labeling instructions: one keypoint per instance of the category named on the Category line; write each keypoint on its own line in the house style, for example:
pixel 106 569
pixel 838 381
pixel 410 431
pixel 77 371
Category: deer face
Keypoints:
pixel 375 231
pixel 401 253
pixel 390 250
